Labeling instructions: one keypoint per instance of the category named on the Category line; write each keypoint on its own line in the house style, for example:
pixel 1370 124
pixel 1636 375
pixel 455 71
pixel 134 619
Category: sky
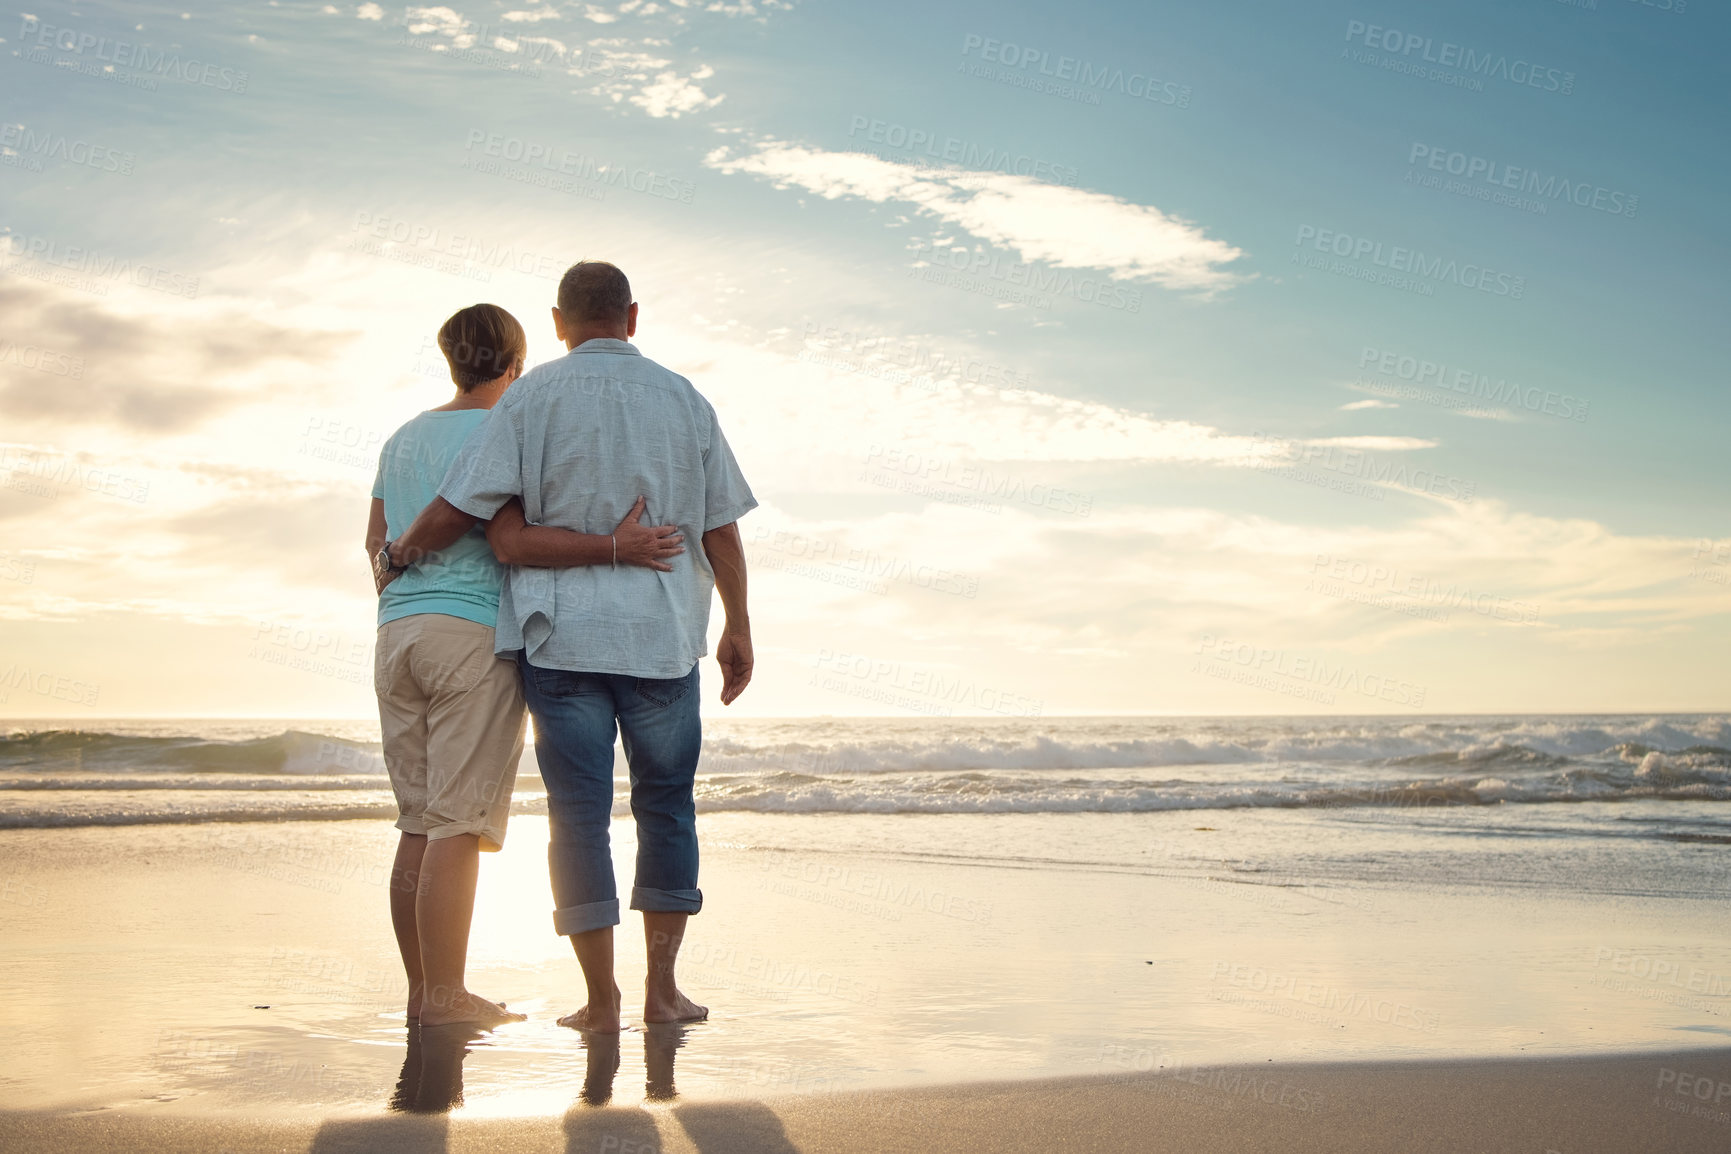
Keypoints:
pixel 1247 358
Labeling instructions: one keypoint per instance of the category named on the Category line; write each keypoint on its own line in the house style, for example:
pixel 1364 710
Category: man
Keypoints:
pixel 603 647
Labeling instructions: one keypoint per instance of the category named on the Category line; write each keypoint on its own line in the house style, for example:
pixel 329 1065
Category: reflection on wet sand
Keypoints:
pixel 432 1077
pixel 660 1044
pixel 603 1052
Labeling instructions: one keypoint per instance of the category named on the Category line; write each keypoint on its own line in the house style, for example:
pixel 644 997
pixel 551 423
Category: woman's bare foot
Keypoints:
pixel 670 1005
pixel 597 1018
pixel 466 1007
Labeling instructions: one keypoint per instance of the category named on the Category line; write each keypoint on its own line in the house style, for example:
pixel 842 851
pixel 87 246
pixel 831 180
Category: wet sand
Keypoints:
pixel 235 987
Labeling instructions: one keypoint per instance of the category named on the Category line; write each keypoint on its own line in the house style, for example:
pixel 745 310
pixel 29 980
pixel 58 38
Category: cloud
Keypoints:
pixel 872 398
pixel 69 360
pixel 534 16
pixel 620 70
pixel 1464 600
pixel 368 12
pixel 1376 444
pixel 1055 224
pixel 672 95
pixel 305 535
pixel 1353 406
pixel 441 20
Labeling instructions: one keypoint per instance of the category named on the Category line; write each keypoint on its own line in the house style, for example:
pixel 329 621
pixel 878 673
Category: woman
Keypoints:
pixel 450 711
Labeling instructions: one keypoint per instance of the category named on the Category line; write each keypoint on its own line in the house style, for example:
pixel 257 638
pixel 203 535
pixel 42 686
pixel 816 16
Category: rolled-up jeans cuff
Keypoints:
pixel 582 919
pixel 666 901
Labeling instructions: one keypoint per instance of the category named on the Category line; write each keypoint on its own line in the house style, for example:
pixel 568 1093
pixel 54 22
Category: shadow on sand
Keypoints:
pixel 431 1085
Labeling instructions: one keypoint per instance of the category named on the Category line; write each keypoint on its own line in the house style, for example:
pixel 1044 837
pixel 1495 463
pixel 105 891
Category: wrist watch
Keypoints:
pixel 382 561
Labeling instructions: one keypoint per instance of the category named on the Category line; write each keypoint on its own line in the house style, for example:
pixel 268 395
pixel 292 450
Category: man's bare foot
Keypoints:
pixel 468 1008
pixel 671 1006
pixel 414 1011
pixel 599 1019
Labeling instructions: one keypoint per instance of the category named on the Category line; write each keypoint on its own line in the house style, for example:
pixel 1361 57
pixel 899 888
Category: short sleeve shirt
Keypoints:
pixel 464 580
pixel 579 439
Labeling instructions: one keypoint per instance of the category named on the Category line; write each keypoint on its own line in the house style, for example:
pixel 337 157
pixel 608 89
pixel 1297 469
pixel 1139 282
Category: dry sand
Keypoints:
pixel 1604 1105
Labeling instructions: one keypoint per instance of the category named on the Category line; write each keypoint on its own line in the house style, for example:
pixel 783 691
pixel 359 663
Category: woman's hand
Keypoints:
pixel 383 577
pixel 647 545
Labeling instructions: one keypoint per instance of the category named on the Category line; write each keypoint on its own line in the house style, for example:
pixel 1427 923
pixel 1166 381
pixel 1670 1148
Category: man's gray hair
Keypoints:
pixel 593 290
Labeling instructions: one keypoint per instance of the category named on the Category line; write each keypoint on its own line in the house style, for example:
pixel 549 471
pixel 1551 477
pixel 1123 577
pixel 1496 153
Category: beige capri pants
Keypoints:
pixel 452 717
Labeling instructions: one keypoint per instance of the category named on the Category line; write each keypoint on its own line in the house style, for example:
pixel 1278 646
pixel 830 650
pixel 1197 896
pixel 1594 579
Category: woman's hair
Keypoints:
pixel 480 343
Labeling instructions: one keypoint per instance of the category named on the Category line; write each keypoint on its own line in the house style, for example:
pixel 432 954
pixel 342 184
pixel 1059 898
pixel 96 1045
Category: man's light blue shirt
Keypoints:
pixel 579 439
pixel 464 581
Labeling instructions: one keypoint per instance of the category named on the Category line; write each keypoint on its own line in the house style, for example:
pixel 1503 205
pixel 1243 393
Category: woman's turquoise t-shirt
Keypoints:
pixel 464 581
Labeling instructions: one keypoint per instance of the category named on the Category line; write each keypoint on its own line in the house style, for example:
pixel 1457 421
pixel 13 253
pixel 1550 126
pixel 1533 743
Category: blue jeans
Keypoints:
pixel 575 715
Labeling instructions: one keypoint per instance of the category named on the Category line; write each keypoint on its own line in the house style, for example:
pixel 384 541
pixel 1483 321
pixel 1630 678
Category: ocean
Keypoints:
pixel 133 772
pixel 1619 802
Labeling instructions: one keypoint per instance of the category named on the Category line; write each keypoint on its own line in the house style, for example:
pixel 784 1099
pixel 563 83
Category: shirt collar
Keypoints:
pixel 607 345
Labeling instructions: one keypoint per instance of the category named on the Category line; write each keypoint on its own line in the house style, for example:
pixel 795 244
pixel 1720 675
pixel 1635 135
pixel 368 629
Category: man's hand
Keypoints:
pixel 733 654
pixel 650 545
pixel 726 553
